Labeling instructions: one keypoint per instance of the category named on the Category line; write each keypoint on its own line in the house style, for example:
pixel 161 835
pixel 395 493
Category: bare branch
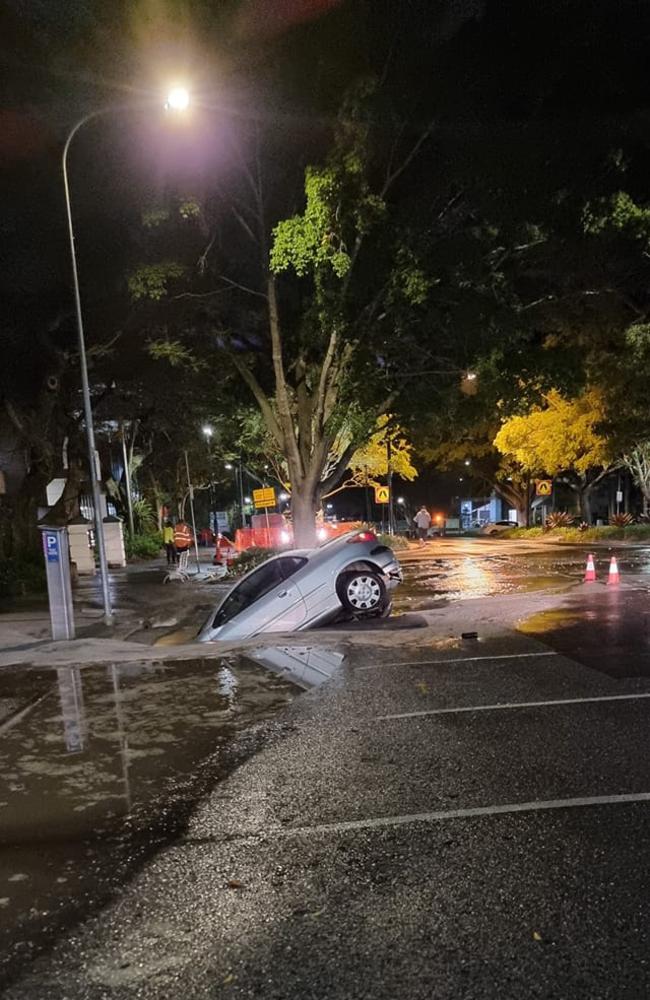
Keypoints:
pixel 245 226
pixel 260 397
pixel 408 159
pixel 203 259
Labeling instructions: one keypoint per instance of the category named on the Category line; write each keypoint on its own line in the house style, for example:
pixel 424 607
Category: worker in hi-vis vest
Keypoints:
pixel 182 537
pixel 168 542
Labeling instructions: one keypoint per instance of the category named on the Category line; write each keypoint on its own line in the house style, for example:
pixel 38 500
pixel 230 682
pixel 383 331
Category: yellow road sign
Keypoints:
pixel 382 494
pixel 544 487
pixel 264 498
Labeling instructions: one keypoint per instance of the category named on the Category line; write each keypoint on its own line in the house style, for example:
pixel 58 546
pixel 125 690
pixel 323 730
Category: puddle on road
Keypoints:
pixel 430 583
pixel 103 765
pixel 604 628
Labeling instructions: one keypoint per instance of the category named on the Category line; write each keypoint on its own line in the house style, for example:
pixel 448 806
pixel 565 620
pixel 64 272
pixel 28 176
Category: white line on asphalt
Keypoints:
pixel 458 659
pixel 512 704
pixel 432 817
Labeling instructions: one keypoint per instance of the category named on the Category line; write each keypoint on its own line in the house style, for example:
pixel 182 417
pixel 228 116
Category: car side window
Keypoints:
pixel 250 590
pixel 290 565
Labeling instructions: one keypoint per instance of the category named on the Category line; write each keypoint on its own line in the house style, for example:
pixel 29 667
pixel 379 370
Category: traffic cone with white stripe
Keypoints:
pixel 613 572
pixel 590 572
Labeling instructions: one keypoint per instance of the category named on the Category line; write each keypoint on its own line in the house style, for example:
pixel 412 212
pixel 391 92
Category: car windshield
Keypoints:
pixel 259 583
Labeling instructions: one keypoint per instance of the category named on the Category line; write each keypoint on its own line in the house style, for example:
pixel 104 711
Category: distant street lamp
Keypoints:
pixel 178 100
pixel 401 500
pixel 207 431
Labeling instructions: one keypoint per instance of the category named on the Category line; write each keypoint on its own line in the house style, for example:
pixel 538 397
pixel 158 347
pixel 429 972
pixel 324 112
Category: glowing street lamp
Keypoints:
pixel 207 431
pixel 178 100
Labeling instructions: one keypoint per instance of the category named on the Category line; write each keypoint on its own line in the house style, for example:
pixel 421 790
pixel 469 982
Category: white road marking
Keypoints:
pixel 380 822
pixel 458 659
pixel 513 704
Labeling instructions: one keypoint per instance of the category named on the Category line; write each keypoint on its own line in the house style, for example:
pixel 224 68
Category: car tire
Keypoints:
pixel 362 592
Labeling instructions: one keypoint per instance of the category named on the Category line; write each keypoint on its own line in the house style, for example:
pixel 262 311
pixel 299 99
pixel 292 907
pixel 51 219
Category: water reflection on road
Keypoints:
pixel 101 766
pixel 477 573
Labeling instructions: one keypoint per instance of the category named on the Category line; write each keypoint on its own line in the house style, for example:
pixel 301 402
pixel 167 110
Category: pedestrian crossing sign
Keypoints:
pixel 382 494
pixel 544 487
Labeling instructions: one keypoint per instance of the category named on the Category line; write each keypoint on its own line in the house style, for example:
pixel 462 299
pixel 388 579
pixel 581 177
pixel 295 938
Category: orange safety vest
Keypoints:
pixel 182 536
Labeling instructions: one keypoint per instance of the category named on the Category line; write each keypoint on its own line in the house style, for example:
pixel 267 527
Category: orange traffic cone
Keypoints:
pixel 590 572
pixel 613 572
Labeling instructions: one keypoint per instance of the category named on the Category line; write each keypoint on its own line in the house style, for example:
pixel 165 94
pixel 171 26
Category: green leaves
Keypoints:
pixel 619 213
pixel 151 280
pixel 174 352
pixel 340 208
pixel 313 239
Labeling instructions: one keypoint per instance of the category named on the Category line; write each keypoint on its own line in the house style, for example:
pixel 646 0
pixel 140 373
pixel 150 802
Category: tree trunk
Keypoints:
pixel 304 505
pixel 584 496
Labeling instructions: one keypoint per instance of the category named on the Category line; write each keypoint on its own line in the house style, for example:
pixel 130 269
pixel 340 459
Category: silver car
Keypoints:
pixel 297 590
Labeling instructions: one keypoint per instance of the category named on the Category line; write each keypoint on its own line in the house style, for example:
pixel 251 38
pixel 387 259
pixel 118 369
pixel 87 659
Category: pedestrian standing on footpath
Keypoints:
pixel 183 537
pixel 422 522
pixel 168 542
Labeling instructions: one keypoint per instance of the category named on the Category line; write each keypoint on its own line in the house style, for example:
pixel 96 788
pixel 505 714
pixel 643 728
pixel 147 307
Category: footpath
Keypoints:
pixel 445 819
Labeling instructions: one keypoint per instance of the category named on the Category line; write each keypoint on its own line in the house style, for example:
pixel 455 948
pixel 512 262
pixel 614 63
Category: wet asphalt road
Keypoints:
pixel 377 848
pixel 442 818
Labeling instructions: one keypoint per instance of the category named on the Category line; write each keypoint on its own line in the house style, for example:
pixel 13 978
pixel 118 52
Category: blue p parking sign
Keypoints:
pixel 51 547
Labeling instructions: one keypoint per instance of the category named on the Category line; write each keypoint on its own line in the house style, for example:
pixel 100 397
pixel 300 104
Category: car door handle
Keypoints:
pixel 284 593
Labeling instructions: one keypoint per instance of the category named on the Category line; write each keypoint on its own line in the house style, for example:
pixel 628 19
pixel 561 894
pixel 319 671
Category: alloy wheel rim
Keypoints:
pixel 364 593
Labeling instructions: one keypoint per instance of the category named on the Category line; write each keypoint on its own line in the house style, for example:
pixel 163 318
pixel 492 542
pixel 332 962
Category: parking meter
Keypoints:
pixel 59 589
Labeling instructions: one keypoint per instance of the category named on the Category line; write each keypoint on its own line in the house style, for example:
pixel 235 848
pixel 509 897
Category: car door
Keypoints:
pixel 282 608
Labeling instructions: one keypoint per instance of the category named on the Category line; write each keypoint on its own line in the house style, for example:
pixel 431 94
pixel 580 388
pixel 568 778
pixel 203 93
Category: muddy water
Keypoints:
pixel 99 766
pixel 428 583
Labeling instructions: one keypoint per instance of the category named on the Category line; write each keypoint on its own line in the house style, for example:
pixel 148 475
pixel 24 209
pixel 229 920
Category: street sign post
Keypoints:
pixel 382 494
pixel 263 499
pixel 543 487
pixel 59 589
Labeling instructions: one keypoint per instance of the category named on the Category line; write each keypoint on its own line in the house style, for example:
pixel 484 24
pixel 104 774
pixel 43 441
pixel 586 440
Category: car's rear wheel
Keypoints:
pixel 362 592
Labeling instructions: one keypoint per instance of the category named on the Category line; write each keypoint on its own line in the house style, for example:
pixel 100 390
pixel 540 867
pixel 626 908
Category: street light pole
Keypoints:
pixel 93 458
pixel 177 101
pixel 190 490
pixel 241 494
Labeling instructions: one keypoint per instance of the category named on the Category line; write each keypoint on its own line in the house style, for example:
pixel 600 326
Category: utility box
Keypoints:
pixel 81 548
pixel 59 590
pixel 114 541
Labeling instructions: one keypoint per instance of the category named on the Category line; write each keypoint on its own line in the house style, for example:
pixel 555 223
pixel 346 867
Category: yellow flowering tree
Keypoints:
pixel 561 438
pixel 369 464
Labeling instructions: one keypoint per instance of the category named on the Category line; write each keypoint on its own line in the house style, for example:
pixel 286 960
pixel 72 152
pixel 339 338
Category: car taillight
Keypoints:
pixel 364 536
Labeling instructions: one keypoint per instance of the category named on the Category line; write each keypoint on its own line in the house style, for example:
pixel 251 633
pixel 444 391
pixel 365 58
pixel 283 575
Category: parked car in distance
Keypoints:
pixel 496 527
pixel 297 590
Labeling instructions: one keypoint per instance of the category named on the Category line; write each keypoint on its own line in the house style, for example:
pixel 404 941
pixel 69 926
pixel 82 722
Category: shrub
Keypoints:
pixel 559 519
pixel 621 520
pixel 22 575
pixel 535 532
pixel 393 541
pixel 251 558
pixel 143 546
